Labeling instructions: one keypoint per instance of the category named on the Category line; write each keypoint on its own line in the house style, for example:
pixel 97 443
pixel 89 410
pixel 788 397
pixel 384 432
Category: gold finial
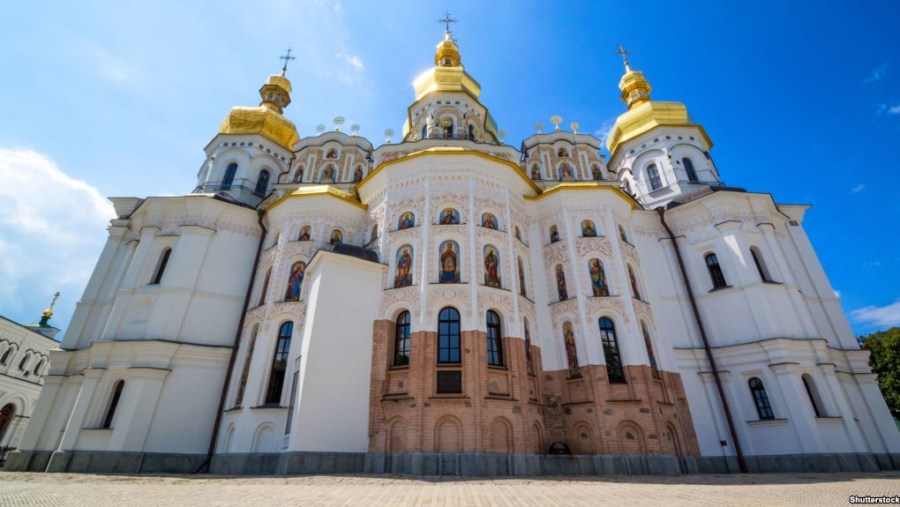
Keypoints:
pixel 287 58
pixel 45 316
pixel 624 52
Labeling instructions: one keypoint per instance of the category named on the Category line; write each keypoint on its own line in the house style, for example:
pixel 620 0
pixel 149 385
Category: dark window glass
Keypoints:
pixel 813 394
pixel 611 351
pixel 113 403
pixel 653 176
pixel 715 271
pixel 448 336
pixel 246 371
pixel 761 399
pixel 494 342
pixel 229 176
pixel 161 267
pixel 689 169
pixel 760 266
pixel 401 340
pixel 262 183
pixel 279 364
pixel 5 358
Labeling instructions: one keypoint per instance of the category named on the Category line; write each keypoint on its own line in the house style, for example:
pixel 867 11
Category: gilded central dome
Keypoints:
pixel 266 119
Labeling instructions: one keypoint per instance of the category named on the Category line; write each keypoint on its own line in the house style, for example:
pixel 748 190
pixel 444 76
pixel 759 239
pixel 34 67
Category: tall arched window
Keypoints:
pixel 813 394
pixel 761 399
pixel 298 176
pixel 529 361
pixel 635 289
pixel 760 264
pixel 38 367
pixel 7 415
pixel 554 234
pixel 471 132
pixel 262 183
pixel 424 132
pixel 242 386
pixel 228 179
pixel 401 340
pixel 4 360
pixel 622 234
pixel 611 351
pixel 448 336
pixel 653 177
pixel 24 362
pixel 264 288
pixel 161 266
pixel 715 271
pixel 689 169
pixel 113 403
pixel 279 364
pixel 494 342
pixel 522 289
pixel 651 357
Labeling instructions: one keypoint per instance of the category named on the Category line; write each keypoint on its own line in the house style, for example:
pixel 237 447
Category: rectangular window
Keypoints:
pixel 449 382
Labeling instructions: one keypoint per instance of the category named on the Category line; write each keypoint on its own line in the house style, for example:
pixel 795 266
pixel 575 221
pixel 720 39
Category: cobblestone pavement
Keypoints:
pixel 36 489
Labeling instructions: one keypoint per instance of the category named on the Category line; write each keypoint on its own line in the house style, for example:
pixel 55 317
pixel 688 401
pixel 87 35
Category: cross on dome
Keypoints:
pixel 287 58
pixel 624 52
pixel 446 20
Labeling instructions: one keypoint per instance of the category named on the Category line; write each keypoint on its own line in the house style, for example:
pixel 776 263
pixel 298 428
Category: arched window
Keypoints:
pixel 401 340
pixel 715 271
pixel 113 404
pixel 595 173
pixel 262 183
pixel 7 415
pixel 522 290
pixel 447 128
pixel 337 237
pixel 471 132
pixel 565 172
pixel 264 288
pixel 494 342
pixel 298 176
pixel 279 364
pixel 554 234
pixel 813 394
pixel 424 132
pixel 24 362
pixel 651 357
pixel 304 233
pixel 38 367
pixel 611 351
pixel 635 290
pixel 691 173
pixel 161 266
pixel 622 234
pixel 529 362
pixel 760 264
pixel 245 373
pixel 5 359
pixel 653 177
pixel 228 179
pixel 761 399
pixel 448 336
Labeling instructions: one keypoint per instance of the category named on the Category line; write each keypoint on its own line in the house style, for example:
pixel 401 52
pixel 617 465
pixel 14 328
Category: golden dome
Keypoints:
pixel 266 119
pixel 448 74
pixel 644 114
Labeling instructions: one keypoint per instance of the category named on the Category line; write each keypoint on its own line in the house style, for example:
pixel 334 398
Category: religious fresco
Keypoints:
pixel 522 290
pixel 598 278
pixel 571 350
pixel 407 220
pixel 328 174
pixel 561 283
pixel 449 216
pixel 404 277
pixel 554 234
pixel 357 174
pixel 449 262
pixel 489 220
pixel 535 172
pixel 596 174
pixel 304 233
pixel 491 267
pixel 587 229
pixel 337 237
pixel 295 282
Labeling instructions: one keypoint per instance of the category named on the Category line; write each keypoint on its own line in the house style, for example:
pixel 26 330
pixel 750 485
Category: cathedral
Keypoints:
pixel 449 304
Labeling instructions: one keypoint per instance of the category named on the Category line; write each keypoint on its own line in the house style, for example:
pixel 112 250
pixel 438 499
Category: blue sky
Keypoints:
pixel 802 100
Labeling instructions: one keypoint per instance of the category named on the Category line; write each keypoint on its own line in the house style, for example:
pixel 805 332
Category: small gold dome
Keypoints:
pixel 447 54
pixel 266 119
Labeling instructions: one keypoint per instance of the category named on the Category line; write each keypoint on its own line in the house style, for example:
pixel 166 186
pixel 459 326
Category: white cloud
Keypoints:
pixel 858 188
pixel 837 293
pixel 352 60
pixel 883 316
pixel 877 74
pixel 894 110
pixel 605 127
pixel 51 232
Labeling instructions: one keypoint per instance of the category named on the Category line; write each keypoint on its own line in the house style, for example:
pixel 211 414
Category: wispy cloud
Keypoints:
pixel 885 109
pixel 605 127
pixel 858 188
pixel 51 231
pixel 351 60
pixel 894 110
pixel 877 74
pixel 883 316
pixel 872 264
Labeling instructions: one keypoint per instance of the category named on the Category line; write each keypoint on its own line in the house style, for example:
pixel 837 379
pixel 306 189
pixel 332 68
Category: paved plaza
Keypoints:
pixel 37 489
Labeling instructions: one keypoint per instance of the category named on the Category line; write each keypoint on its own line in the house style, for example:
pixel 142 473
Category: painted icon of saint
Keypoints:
pixel 403 277
pixel 407 220
pixel 449 216
pixel 491 267
pixel 561 283
pixel 571 350
pixel 587 229
pixel 357 175
pixel 522 290
pixel 337 237
pixel 488 220
pixel 304 234
pixel 449 262
pixel 554 234
pixel 598 278
pixel 295 282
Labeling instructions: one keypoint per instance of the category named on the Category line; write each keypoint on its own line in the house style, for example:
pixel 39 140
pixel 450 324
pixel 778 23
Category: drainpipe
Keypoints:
pixel 234 348
pixel 742 463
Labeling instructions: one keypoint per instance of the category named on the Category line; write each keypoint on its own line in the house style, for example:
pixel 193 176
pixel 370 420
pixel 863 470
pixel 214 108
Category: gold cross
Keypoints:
pixel 286 57
pixel 622 51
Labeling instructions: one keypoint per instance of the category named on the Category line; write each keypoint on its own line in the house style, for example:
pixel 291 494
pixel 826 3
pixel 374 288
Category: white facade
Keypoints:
pixel 171 348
